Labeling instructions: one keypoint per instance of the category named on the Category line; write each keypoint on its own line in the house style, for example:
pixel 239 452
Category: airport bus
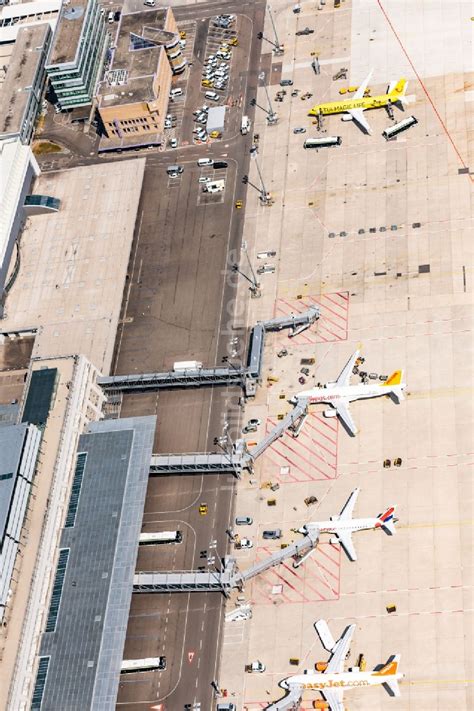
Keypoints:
pixel 147 539
pixel 326 142
pixel 135 666
pixel 393 131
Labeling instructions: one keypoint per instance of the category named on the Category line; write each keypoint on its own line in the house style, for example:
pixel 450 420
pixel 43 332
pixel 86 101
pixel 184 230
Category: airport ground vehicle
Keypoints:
pixel 212 95
pixel 286 82
pixel 110 17
pixel 174 170
pixel 203 179
pixel 326 142
pixel 255 667
pixel 249 428
pixel 148 539
pixel 226 706
pixel 306 31
pixel 187 365
pixel 272 534
pixel 266 269
pixel 393 131
pixel 244 125
pixel 150 3
pixel 173 143
pixel 215 134
pixel 243 521
pixel 203 509
pixel 219 164
pixel 205 161
pixel 239 204
pixel 174 93
pixel 244 543
pixel 299 130
pixel 135 666
pixel 217 186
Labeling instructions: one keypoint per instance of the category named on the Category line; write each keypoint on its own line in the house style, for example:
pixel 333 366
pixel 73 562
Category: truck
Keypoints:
pixel 217 186
pixel 245 125
pixel 255 667
pixel 187 365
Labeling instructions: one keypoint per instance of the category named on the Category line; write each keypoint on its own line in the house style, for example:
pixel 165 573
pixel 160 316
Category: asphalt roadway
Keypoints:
pixel 179 306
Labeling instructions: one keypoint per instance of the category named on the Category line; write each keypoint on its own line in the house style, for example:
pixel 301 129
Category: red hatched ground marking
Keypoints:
pixel 312 456
pixel 332 323
pixel 258 705
pixel 316 580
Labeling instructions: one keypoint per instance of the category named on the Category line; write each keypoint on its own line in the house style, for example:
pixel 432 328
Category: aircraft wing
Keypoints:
pixel 361 90
pixel 345 374
pixel 334 699
pixel 358 115
pixel 338 656
pixel 348 509
pixel 342 408
pixel 345 540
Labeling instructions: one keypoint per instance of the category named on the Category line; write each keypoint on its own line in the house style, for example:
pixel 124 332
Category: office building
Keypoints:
pixel 78 53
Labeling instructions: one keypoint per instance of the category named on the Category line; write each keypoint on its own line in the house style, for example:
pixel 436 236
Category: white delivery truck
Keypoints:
pixel 245 125
pixel 187 365
pixel 217 186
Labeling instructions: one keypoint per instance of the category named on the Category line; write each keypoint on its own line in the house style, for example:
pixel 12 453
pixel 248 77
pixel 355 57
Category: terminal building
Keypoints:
pixel 81 651
pixel 19 448
pixel 22 89
pixel 133 97
pixel 78 53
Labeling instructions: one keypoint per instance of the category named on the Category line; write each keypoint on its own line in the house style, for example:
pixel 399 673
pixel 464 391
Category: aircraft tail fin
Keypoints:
pixel 390 670
pixel 396 385
pixel 386 521
pixel 399 89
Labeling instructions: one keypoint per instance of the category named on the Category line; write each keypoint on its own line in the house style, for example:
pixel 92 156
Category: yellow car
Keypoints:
pixel 215 134
pixel 182 35
pixel 203 509
pixel 239 204
pixel 208 83
pixel 234 42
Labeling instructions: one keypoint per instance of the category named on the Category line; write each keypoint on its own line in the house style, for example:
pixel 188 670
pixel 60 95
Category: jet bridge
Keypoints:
pixel 203 463
pixel 294 420
pixel 291 702
pixel 246 377
pixel 218 581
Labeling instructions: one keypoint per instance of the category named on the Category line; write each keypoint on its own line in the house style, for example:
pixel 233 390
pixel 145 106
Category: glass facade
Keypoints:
pixel 74 82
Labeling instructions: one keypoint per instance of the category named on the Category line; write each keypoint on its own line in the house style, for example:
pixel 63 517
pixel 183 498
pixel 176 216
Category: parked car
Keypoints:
pixel 286 82
pixel 273 534
pixel 219 164
pixel 245 543
pixel 299 130
pixel 306 31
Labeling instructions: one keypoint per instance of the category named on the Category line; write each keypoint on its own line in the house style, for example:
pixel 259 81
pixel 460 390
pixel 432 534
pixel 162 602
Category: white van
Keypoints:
pixel 217 186
pixel 205 161
pixel 244 125
pixel 110 17
pixel 175 92
pixel 212 95
pixel 149 3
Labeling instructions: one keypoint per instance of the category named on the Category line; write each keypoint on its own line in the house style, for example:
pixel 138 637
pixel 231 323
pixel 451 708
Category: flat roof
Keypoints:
pixel 92 591
pixel 40 396
pixel 139 65
pixel 11 447
pixel 68 32
pixel 24 65
pixel 74 262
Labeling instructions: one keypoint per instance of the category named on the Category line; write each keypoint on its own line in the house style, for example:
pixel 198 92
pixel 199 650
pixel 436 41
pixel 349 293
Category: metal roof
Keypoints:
pixel 93 596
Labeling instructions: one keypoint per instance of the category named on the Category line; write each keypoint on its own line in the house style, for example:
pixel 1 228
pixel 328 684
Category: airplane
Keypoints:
pixel 340 393
pixel 344 525
pixel 354 107
pixel 333 681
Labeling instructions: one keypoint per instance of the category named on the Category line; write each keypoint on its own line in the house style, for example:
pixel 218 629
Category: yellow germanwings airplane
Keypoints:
pixel 356 105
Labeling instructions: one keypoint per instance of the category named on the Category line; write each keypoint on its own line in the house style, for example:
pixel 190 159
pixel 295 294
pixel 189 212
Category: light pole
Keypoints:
pixel 271 115
pixel 264 196
pixel 279 49
pixel 254 285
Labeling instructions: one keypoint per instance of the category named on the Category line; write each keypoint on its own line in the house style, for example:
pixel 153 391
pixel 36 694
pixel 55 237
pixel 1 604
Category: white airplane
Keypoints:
pixel 344 525
pixel 340 393
pixel 333 681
